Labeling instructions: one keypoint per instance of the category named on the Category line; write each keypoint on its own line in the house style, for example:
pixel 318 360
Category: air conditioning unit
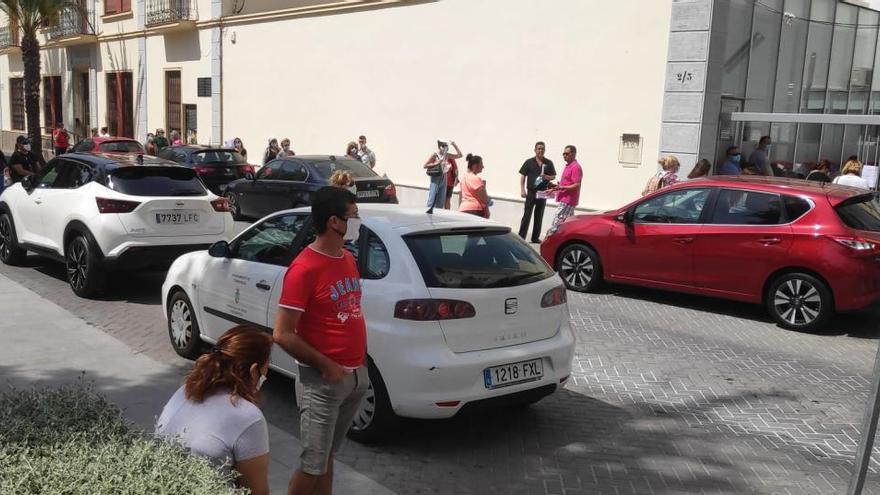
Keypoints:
pixel 860 78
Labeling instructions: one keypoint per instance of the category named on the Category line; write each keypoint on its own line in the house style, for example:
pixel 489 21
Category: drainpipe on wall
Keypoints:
pixel 141 101
pixel 217 74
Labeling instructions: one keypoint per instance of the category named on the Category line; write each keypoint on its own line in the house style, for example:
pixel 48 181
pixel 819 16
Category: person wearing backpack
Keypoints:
pixel 667 175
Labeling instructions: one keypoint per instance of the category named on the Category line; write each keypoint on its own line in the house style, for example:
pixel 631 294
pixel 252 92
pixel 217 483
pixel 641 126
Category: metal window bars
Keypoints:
pixel 8 37
pixel 72 22
pixel 169 11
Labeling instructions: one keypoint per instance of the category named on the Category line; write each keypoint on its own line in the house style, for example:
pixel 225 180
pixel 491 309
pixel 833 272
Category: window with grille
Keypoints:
pixel 173 107
pixel 52 101
pixel 120 104
pixel 16 100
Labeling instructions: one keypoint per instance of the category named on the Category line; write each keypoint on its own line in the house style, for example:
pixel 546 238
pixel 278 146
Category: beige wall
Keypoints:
pixel 189 52
pixel 495 75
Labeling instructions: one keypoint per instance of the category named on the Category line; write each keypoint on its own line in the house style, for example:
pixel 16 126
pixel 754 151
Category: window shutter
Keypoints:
pixel 112 6
pixel 124 5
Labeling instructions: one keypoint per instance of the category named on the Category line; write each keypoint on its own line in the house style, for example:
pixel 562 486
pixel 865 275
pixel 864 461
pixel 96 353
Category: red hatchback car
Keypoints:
pixel 122 145
pixel 804 250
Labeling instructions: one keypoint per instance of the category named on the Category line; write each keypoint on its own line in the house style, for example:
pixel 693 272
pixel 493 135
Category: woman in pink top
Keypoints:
pixel 474 198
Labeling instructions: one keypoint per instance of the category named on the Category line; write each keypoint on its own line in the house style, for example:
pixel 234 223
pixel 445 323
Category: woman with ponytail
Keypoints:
pixel 474 198
pixel 215 412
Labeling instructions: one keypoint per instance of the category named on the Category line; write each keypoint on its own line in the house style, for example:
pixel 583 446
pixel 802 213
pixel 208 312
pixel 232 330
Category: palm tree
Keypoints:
pixel 30 16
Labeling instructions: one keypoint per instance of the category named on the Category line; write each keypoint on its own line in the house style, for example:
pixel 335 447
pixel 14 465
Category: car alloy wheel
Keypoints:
pixel 180 324
pixel 183 326
pixel 797 302
pixel 77 264
pixel 233 205
pixel 579 267
pixel 10 254
pixel 367 410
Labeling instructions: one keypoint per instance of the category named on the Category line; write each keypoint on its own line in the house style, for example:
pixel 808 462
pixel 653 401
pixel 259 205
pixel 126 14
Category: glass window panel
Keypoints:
pixel 817 57
pixel 832 143
pixel 737 16
pixel 762 62
pixel 870 147
pixel 841 58
pixel 752 132
pixel 863 61
pixel 792 44
pixel 782 150
pixel 807 154
pixel 853 140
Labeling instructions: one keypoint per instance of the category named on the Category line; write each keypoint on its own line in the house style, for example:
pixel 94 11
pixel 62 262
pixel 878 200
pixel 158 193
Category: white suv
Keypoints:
pixel 99 212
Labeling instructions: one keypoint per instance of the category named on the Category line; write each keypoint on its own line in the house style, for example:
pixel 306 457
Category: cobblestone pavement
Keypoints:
pixel 669 394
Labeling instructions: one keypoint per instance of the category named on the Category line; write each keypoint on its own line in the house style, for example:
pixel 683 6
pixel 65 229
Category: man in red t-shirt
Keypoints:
pixel 320 323
pixel 60 139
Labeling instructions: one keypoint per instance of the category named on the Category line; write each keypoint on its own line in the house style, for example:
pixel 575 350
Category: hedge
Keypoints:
pixel 71 440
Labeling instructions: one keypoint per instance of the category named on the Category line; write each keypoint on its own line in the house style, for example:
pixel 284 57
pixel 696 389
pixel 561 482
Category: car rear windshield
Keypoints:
pixel 121 147
pixel 218 157
pixel 156 181
pixel 476 259
pixel 860 213
pixel 358 170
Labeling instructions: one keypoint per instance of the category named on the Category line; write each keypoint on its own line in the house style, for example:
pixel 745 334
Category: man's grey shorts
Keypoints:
pixel 325 413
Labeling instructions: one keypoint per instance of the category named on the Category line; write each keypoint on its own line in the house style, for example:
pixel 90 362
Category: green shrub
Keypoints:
pixel 70 440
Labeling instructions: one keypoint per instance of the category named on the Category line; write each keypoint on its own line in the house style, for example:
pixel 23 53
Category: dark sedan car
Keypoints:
pixel 289 183
pixel 217 167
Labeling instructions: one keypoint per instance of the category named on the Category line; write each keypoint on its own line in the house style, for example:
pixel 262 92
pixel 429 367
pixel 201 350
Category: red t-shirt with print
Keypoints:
pixel 327 290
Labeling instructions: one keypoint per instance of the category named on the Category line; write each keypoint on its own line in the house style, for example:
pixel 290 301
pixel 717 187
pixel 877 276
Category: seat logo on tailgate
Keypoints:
pixel 510 306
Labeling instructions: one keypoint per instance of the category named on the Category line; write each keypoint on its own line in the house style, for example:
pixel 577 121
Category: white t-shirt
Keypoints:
pixel 215 428
pixel 852 180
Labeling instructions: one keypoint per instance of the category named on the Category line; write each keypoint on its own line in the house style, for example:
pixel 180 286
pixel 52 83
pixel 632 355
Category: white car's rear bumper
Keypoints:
pixel 418 381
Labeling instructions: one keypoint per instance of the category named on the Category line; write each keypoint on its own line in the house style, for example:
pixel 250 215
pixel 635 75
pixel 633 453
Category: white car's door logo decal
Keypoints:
pixel 511 306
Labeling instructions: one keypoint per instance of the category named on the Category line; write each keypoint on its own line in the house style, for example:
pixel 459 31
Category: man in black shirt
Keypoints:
pixel 535 174
pixel 22 163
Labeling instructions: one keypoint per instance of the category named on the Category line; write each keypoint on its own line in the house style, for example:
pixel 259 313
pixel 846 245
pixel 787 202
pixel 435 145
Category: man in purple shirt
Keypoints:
pixel 568 192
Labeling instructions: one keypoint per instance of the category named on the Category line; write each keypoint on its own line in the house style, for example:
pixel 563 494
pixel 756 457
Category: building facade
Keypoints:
pixel 624 81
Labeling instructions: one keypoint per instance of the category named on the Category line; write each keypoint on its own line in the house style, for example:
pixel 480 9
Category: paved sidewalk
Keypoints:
pixel 45 345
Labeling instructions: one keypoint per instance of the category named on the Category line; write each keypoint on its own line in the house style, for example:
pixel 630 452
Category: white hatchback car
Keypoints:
pixel 460 312
pixel 100 212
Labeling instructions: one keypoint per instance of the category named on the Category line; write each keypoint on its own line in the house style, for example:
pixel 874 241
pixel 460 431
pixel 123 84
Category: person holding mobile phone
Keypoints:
pixel 535 176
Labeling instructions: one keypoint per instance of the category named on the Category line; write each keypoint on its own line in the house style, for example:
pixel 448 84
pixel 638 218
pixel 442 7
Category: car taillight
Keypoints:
pixel 433 309
pixel 390 190
pixel 106 205
pixel 220 204
pixel 200 170
pixel 857 244
pixel 247 169
pixel 554 297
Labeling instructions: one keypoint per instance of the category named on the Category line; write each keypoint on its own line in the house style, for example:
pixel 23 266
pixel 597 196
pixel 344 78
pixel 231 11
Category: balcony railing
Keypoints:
pixel 169 11
pixel 8 37
pixel 72 22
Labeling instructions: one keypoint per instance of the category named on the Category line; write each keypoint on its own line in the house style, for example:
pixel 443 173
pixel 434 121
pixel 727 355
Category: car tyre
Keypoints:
pixel 580 267
pixel 799 301
pixel 10 252
pixel 375 418
pixel 84 271
pixel 234 207
pixel 183 328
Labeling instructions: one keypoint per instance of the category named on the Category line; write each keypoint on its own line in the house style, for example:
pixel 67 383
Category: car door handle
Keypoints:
pixel 684 240
pixel 263 285
pixel 767 241
pixel 38 201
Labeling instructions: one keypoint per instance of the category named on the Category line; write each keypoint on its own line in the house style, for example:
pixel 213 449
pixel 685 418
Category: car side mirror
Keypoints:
pixel 250 176
pixel 625 217
pixel 27 182
pixel 220 249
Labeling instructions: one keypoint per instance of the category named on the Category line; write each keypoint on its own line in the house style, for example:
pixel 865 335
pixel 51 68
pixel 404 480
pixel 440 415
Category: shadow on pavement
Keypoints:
pixel 859 324
pixel 568 440
pixel 138 287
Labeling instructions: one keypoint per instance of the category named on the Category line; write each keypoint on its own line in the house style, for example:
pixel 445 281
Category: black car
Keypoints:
pixel 289 183
pixel 217 167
